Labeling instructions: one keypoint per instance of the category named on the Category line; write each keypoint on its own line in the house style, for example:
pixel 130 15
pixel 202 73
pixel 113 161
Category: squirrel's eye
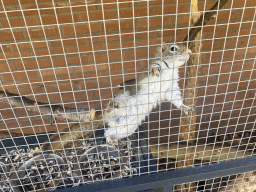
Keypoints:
pixel 174 48
pixel 162 49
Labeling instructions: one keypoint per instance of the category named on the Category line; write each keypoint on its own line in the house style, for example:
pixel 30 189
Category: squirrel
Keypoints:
pixel 135 99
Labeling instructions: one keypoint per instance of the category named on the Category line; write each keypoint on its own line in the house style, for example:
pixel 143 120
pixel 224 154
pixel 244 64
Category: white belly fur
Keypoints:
pixel 123 121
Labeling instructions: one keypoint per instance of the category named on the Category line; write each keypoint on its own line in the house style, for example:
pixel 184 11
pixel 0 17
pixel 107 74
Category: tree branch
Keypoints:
pixel 188 122
pixel 60 112
pixel 204 19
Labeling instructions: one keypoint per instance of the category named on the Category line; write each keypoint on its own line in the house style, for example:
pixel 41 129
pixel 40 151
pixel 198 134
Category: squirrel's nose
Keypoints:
pixel 189 52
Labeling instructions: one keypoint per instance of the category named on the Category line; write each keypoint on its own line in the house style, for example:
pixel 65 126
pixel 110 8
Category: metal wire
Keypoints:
pixel 239 182
pixel 117 44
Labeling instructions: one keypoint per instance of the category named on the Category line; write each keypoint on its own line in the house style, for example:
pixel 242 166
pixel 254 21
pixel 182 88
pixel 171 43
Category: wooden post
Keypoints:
pixel 188 122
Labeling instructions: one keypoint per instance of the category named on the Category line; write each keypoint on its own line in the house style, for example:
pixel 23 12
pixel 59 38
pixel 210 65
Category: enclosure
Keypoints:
pixel 63 61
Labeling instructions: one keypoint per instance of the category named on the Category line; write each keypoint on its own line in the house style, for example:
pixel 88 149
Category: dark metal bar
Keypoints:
pixel 171 178
pixel 168 188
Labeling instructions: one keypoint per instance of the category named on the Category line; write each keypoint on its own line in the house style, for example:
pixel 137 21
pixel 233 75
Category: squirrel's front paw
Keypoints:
pixel 155 71
pixel 111 141
pixel 186 108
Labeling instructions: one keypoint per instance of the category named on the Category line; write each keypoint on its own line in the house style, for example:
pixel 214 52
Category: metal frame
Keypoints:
pixel 168 179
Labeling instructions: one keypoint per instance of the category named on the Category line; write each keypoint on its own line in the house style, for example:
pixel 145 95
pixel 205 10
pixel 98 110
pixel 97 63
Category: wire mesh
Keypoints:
pixel 73 56
pixel 239 182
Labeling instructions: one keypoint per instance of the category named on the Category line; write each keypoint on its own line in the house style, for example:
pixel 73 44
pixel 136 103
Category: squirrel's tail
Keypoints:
pixel 69 137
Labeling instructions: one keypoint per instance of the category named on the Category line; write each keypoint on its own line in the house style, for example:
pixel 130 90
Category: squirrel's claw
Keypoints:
pixel 186 108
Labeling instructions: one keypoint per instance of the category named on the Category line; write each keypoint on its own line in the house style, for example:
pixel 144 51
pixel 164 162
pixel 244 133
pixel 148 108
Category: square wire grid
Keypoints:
pixel 76 53
pixel 240 182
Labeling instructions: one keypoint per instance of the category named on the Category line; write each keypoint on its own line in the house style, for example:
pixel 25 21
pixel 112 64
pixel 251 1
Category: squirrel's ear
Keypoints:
pixel 160 49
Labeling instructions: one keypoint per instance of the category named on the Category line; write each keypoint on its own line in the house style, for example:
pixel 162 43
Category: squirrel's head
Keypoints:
pixel 177 54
